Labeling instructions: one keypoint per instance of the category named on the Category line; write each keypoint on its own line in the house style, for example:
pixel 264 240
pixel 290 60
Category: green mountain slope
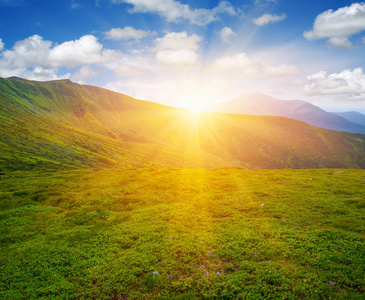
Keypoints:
pixel 64 124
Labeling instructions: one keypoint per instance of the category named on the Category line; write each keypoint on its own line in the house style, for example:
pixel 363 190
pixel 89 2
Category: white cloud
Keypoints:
pixel 174 11
pixel 339 42
pixel 177 41
pixel 177 48
pixel 127 33
pixel 42 74
pixel 351 83
pixel 36 52
pixel 1 45
pixel 86 50
pixel 127 65
pixel 241 65
pixel 338 25
pixel 35 58
pixel 83 74
pixel 363 40
pixel 31 52
pixel 268 18
pixel 226 34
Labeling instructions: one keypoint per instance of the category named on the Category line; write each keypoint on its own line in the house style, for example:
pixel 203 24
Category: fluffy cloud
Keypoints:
pixel 127 33
pixel 177 41
pixel 1 45
pixel 177 48
pixel 36 52
pixel 174 11
pixel 241 65
pixel 338 25
pixel 226 34
pixel 268 18
pixel 345 83
pixel 31 52
pixel 35 58
pixel 41 74
pixel 339 42
pixel 86 50
pixel 83 74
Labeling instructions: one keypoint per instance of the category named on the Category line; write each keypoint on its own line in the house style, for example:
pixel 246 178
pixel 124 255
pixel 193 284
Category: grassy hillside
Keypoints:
pixel 182 234
pixel 60 124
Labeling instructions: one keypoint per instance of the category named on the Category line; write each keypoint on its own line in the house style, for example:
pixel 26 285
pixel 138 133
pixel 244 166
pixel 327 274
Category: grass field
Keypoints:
pixel 182 234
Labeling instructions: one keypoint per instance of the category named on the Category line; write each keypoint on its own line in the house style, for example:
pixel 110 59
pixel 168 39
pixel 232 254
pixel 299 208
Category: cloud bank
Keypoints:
pixel 347 82
pixel 174 11
pixel 338 26
pixel 36 58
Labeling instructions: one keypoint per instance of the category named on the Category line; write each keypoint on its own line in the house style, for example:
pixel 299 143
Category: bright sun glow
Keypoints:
pixel 195 106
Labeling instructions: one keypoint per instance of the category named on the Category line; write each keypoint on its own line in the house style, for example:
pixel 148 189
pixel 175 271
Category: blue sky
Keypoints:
pixel 192 53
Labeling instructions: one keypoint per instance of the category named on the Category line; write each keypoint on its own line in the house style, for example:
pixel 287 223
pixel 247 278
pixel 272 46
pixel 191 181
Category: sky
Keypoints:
pixel 192 53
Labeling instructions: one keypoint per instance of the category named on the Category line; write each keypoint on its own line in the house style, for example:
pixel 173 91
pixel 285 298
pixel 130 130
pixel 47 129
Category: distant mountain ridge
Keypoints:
pixel 352 116
pixel 61 124
pixel 260 104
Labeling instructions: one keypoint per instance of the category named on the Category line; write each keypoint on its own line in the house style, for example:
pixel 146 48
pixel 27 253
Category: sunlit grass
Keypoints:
pixel 224 233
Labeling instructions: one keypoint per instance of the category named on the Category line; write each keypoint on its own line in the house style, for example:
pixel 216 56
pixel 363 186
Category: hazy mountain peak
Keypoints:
pixel 353 116
pixel 255 103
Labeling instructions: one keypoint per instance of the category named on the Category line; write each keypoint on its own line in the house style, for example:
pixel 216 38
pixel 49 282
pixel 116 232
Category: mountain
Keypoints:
pixel 352 116
pixel 259 104
pixel 61 124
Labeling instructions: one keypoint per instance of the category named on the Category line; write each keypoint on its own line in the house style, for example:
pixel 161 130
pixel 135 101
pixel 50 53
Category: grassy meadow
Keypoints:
pixel 182 234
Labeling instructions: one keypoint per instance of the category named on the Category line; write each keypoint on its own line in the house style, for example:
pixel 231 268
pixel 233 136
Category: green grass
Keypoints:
pixel 210 234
